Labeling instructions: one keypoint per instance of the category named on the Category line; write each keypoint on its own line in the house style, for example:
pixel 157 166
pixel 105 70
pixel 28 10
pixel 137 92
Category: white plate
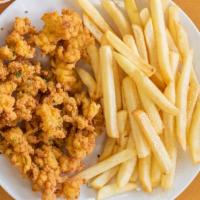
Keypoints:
pixel 11 180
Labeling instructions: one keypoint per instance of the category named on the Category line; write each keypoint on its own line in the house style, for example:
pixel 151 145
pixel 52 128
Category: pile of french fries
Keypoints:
pixel 143 71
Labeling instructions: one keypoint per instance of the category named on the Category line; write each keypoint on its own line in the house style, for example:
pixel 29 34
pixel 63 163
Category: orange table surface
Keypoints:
pixel 192 8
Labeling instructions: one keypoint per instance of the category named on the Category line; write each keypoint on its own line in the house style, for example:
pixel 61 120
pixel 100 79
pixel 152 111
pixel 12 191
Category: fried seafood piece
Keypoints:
pixel 17 149
pixel 67 164
pixel 45 172
pixel 57 27
pixel 25 106
pixel 3 71
pixel 23 26
pixel 6 107
pixel 51 122
pixel 33 86
pixel 7 87
pixel 6 53
pixel 20 46
pixel 71 188
pixel 75 48
pixel 22 70
pixel 80 144
pixel 66 76
pixel 56 94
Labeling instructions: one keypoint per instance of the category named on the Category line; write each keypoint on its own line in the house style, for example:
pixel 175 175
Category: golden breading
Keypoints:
pixel 46 172
pixel 48 122
pixel 7 106
pixel 25 106
pixel 6 53
pixel 80 144
pixel 57 27
pixel 71 188
pixel 19 45
pixel 51 122
pixel 7 87
pixel 23 26
pixel 73 49
pixel 18 149
pixel 3 71
pixel 67 77
pixel 33 86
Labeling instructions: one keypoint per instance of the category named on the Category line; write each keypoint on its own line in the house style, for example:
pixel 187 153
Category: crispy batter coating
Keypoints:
pixel 51 121
pixel 48 124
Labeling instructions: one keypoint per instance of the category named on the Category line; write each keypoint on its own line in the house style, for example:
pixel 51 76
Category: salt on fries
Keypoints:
pixel 148 107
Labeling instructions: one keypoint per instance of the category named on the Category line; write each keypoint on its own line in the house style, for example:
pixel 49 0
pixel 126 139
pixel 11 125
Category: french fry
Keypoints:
pixel 94 14
pixel 123 99
pixel 192 98
pixel 88 80
pixel 107 164
pixel 165 4
pixel 171 42
pixel 134 176
pixel 130 42
pixel 152 111
pixel 173 17
pixel 93 53
pixel 116 73
pixel 109 96
pixel 144 169
pixel 121 47
pixel 122 120
pixel 117 16
pixel 181 100
pixel 114 189
pixel 104 40
pixel 174 60
pixel 154 141
pixel 140 42
pixel 104 178
pixel 108 148
pixel 127 168
pixel 91 26
pixel 153 58
pixel 194 141
pixel 167 180
pixel 182 40
pixel 144 16
pixel 133 103
pixel 132 11
pixel 156 173
pixel 169 138
pixel 161 39
pixel 143 81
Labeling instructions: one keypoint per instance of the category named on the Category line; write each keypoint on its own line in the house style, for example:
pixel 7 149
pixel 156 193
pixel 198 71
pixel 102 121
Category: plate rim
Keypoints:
pixel 197 30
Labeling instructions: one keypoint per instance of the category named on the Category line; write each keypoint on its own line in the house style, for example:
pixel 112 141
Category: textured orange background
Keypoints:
pixel 192 8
